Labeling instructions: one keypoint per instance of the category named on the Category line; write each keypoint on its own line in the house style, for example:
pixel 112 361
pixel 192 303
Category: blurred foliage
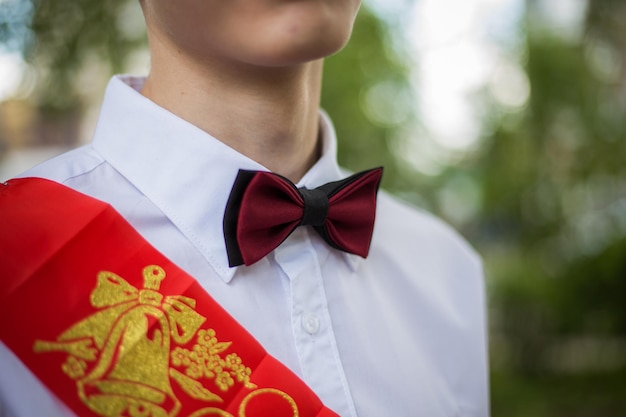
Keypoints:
pixel 63 36
pixel 553 224
pixel 549 180
pixel 587 395
pixel 367 92
pixel 66 33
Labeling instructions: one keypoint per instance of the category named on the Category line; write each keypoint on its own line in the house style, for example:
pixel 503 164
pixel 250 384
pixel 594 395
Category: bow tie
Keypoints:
pixel 265 208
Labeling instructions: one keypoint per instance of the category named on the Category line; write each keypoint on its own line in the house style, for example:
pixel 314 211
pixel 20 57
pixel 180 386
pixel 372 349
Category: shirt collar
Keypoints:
pixel 183 170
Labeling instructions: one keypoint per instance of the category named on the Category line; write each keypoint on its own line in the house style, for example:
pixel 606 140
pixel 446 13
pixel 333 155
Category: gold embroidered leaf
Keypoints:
pixel 220 347
pixel 193 388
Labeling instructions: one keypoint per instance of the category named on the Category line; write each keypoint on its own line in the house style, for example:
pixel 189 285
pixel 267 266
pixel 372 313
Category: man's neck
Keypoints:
pixel 270 115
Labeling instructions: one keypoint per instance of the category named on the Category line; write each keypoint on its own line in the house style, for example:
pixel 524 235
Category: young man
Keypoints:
pixel 396 329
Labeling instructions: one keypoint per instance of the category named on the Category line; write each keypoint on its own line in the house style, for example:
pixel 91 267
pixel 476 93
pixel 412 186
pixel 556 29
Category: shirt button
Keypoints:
pixel 311 323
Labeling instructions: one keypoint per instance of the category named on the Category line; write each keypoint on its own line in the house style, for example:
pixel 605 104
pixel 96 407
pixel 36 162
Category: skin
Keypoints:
pixel 248 72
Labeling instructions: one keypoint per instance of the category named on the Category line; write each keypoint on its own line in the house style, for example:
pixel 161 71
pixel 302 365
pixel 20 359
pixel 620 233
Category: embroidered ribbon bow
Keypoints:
pixel 113 290
pixel 265 208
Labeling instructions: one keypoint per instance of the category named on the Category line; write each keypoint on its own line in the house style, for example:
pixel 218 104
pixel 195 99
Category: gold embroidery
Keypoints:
pixel 242 407
pixel 210 411
pixel 244 403
pixel 204 360
pixel 193 388
pixel 74 367
pixel 123 359
pixel 79 348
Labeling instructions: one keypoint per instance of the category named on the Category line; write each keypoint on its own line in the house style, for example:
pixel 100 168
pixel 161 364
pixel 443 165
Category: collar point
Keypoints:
pixel 353 261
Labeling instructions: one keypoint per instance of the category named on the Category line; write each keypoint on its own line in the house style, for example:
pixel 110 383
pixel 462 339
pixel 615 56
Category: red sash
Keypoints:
pixel 114 328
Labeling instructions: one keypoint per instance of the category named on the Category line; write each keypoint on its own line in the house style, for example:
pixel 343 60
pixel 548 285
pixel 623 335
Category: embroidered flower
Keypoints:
pixel 243 375
pixel 199 353
pixel 233 361
pixel 194 371
pixel 223 380
pixel 74 367
pixel 207 337
pixel 204 361
pixel 180 357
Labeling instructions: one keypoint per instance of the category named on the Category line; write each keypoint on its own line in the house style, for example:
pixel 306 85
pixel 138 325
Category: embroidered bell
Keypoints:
pixel 132 336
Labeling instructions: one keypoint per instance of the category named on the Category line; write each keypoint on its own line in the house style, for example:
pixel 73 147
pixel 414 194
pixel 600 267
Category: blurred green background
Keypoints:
pixel 528 163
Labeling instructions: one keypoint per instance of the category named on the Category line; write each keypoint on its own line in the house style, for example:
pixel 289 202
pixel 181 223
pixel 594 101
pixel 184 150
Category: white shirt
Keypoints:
pixel 401 333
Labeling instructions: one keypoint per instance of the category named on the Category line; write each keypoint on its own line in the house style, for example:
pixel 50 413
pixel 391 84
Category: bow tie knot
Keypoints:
pixel 264 208
pixel 315 207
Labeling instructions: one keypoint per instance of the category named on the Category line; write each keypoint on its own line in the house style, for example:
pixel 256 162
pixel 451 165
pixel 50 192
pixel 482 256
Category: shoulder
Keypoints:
pixel 425 257
pixel 434 281
pixel 433 274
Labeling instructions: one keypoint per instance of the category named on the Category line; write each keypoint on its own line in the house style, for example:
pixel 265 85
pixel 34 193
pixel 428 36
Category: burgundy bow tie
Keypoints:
pixel 265 208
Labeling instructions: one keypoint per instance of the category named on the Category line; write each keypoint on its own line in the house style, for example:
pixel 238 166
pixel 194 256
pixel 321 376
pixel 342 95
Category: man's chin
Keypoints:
pixel 298 53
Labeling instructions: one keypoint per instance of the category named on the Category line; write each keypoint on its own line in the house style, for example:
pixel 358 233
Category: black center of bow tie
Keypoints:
pixel 315 206
pixel 265 208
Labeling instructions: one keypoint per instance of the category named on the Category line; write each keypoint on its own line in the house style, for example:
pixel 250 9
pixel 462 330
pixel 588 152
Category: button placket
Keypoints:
pixel 311 325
